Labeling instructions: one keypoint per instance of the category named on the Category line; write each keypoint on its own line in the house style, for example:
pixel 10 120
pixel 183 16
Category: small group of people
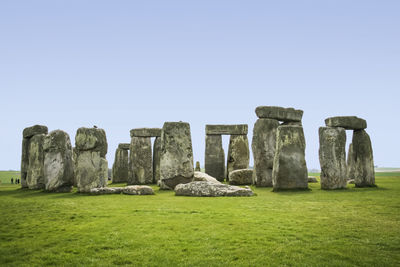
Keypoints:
pixel 17 180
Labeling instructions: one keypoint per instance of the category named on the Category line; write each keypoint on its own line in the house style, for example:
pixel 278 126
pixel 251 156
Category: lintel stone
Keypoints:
pixel 347 122
pixel 279 113
pixel 146 132
pixel 124 146
pixel 226 129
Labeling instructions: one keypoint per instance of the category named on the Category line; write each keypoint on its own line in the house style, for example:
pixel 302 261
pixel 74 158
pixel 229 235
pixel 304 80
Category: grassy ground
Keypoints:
pixel 313 228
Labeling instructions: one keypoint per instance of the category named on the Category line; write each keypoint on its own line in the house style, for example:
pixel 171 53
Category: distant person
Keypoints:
pixel 12 180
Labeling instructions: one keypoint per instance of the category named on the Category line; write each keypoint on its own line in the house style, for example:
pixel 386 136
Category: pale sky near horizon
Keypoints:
pixel 131 64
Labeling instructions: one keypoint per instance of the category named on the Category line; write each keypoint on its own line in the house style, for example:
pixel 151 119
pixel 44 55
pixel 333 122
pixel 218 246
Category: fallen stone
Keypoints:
pixel 120 166
pixel 156 159
pixel 263 147
pixel 312 179
pixel 238 153
pixel 140 161
pixel 35 174
pixel 138 190
pixel 176 163
pixel 279 113
pixel 34 130
pixel 210 189
pixel 225 129
pixel 214 157
pixel 241 177
pixel 58 162
pixel 364 172
pixel 332 157
pixel 347 122
pixel 106 190
pixel 146 132
pixel 290 168
pixel 91 139
pixel 201 176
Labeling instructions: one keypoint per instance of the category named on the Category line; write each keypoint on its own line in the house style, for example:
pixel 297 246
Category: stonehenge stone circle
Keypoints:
pixel 241 177
pixel 35 176
pixel 364 172
pixel 263 146
pixel 27 134
pixel 91 167
pixel 279 113
pixel 332 157
pixel 156 159
pixel 120 166
pixel 347 122
pixel 214 157
pixel 290 169
pixel 176 163
pixel 58 163
pixel 238 153
pixel 210 189
pixel 140 161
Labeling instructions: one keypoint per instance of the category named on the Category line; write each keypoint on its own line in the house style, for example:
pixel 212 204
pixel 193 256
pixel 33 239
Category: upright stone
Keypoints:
pixel 120 166
pixel 364 173
pixel 263 146
pixel 332 157
pixel 91 167
pixel 238 154
pixel 156 159
pixel 140 162
pixel 176 164
pixel 215 157
pixel 350 163
pixel 58 163
pixel 197 169
pixel 74 157
pixel 35 176
pixel 290 169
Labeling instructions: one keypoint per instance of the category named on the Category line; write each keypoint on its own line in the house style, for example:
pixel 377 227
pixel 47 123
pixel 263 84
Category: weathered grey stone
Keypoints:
pixel 238 153
pixel 106 190
pixel 90 170
pixel 24 162
pixel 58 163
pixel 364 172
pixel 74 157
pixel 347 122
pixel 263 146
pixel 210 189
pixel 176 164
pixel 290 169
pixel 156 159
pixel 201 176
pixel 35 175
pixel 214 157
pixel 351 181
pixel 197 169
pixel 279 113
pixel 91 139
pixel 332 157
pixel 218 129
pixel 36 129
pixel 140 161
pixel 241 177
pixel 124 146
pixel 350 163
pixel 312 179
pixel 120 166
pixel 146 132
pixel 138 190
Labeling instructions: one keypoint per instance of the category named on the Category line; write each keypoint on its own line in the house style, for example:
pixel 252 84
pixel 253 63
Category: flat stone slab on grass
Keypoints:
pixel 127 190
pixel 347 122
pixel 226 129
pixel 146 132
pixel 209 189
pixel 279 113
pixel 241 177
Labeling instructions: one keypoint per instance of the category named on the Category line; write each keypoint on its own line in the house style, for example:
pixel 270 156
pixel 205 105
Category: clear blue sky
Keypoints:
pixel 129 64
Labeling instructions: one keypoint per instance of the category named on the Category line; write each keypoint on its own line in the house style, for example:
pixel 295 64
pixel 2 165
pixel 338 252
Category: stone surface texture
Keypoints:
pixel 238 153
pixel 332 157
pixel 210 189
pixel 226 129
pixel 35 174
pixel 241 177
pixel 263 147
pixel 214 157
pixel 290 168
pixel 364 172
pixel 347 122
pixel 140 161
pixel 279 113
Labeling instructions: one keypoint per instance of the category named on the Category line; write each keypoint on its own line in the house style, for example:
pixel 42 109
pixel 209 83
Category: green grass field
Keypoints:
pixel 306 228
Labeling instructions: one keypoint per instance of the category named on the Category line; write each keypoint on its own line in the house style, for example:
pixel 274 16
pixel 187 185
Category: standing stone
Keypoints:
pixel 350 163
pixel 140 161
pixel 35 175
pixel 290 169
pixel 215 157
pixel 176 164
pixel 263 146
pixel 91 167
pixel 332 157
pixel 74 157
pixel 238 153
pixel 58 163
pixel 120 166
pixel 156 159
pixel 197 169
pixel 364 173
